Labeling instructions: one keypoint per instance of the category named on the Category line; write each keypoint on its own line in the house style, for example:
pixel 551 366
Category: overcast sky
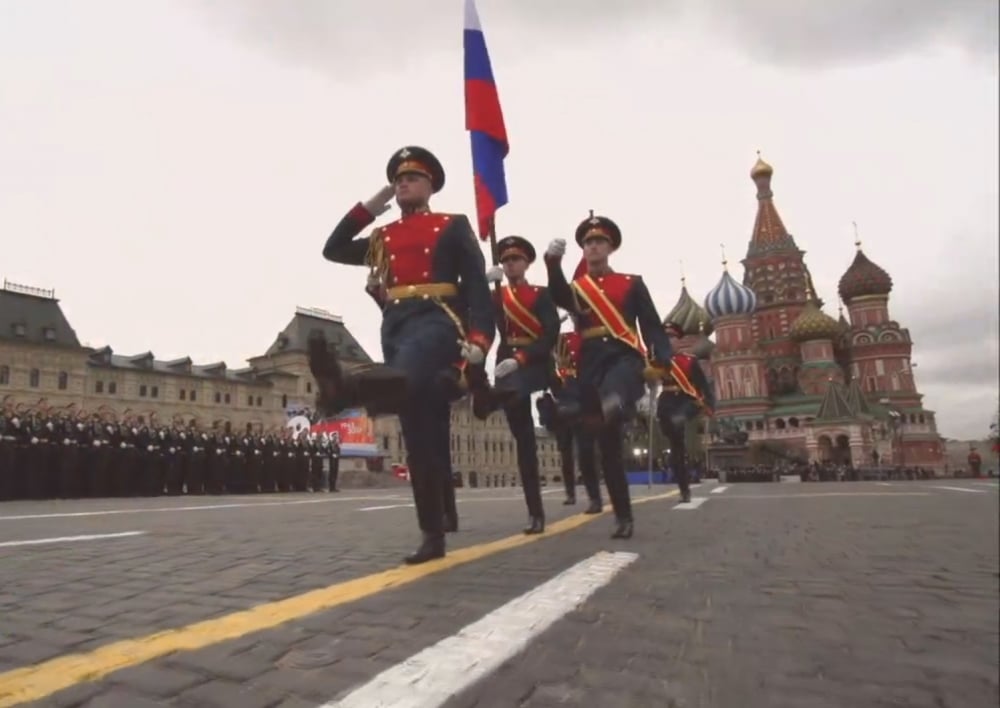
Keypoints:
pixel 172 169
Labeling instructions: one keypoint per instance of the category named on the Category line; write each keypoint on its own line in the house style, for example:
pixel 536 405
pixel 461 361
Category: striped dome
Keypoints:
pixel 730 298
pixel 689 315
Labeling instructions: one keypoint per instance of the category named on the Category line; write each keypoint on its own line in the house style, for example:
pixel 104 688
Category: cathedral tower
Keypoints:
pixel 737 362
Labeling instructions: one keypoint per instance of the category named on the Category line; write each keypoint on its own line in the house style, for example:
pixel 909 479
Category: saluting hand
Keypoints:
pixel 556 249
pixel 494 274
pixel 379 204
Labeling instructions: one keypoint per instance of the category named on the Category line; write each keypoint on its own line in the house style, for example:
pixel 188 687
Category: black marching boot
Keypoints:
pixel 431 548
pixel 536 525
pixel 623 528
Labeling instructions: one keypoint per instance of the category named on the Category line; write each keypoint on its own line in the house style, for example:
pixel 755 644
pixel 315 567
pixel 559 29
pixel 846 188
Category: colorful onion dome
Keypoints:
pixel 813 323
pixel 729 297
pixel 687 313
pixel 863 278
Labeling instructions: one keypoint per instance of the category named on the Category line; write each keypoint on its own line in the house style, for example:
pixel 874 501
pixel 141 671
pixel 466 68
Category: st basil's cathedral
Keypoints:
pixel 794 384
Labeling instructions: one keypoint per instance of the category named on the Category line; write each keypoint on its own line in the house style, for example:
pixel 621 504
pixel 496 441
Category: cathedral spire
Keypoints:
pixel 769 232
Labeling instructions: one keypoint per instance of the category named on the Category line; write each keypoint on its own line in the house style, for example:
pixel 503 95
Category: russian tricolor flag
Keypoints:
pixel 484 121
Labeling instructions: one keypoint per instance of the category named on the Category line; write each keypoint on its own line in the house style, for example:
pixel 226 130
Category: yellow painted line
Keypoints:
pixel 32 683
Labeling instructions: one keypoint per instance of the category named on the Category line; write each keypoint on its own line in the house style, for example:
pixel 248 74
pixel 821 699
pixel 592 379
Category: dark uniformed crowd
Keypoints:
pixel 61 455
pixel 428 275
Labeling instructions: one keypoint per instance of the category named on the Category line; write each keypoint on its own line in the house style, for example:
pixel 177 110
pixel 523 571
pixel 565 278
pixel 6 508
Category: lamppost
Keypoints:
pixel 896 426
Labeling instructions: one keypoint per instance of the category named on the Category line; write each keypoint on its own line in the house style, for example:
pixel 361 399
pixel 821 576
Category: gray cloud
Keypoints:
pixel 349 37
pixel 854 31
pixel 958 348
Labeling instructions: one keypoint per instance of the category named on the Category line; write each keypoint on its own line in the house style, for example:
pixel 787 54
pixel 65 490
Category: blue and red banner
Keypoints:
pixel 484 121
pixel 355 430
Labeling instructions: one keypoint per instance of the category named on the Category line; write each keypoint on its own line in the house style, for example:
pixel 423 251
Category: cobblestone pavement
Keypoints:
pixel 765 595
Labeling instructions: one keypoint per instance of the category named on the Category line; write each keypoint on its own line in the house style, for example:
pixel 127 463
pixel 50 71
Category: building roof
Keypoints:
pixel 730 298
pixel 812 323
pixel 769 232
pixel 34 316
pixel 295 336
pixel 835 406
pixel 863 277
pixel 106 358
pixel 687 313
pixel 856 399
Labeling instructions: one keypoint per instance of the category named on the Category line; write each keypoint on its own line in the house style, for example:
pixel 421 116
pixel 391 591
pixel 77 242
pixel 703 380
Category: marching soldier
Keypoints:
pixel 572 440
pixel 376 290
pixel 529 332
pixel 613 359
pixel 420 259
pixel 686 393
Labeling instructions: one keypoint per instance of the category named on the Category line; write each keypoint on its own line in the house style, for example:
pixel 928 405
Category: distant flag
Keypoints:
pixel 484 121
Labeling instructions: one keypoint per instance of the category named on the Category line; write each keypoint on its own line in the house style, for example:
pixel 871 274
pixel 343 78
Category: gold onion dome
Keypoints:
pixel 863 278
pixel 813 323
pixel 761 168
pixel 689 315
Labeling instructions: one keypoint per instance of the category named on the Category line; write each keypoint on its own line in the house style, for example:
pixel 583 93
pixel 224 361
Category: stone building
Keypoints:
pixel 484 447
pixel 44 365
pixel 792 382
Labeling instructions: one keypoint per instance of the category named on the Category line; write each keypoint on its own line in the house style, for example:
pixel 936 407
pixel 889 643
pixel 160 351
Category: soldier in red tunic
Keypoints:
pixel 426 327
pixel 572 440
pixel 685 395
pixel 528 334
pixel 376 290
pixel 613 359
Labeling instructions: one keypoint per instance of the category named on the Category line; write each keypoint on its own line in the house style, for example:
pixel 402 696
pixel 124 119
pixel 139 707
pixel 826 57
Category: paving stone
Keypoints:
pixel 157 680
pixel 123 698
pixel 783 602
pixel 230 694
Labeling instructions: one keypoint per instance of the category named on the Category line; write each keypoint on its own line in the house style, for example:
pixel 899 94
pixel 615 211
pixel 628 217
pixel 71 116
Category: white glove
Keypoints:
pixel 473 354
pixel 557 248
pixel 379 204
pixel 505 368
pixel 373 281
pixel 494 274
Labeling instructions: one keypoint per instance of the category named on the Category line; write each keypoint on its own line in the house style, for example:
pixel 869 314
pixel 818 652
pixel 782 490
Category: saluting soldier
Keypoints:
pixel 420 258
pixel 613 308
pixel 452 379
pixel 528 333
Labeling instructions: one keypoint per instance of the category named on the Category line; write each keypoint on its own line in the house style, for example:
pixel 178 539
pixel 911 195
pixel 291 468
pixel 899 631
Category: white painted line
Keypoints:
pixel 429 678
pixel 884 484
pixel 691 505
pixel 738 497
pixel 962 489
pixel 719 490
pixel 387 506
pixel 197 507
pixel 69 539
